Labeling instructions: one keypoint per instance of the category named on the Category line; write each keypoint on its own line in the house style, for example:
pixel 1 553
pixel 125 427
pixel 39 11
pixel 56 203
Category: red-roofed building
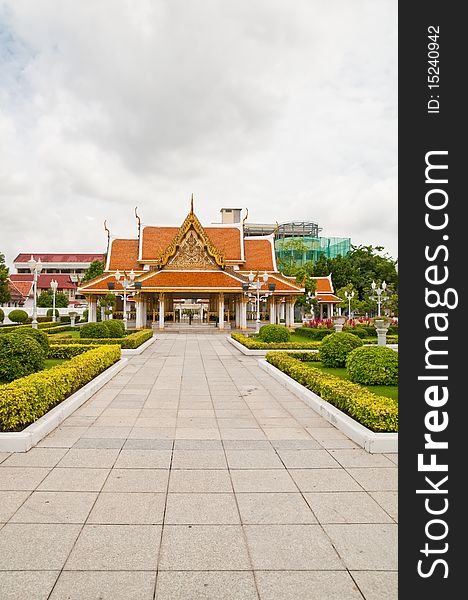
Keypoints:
pixel 208 267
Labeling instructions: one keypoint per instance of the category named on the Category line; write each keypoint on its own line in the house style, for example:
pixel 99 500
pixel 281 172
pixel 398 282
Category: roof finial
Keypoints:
pixel 191 204
pixel 246 215
pixel 108 235
pixel 276 229
pixel 138 221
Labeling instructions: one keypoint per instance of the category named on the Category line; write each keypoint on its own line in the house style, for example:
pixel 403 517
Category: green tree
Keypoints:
pixel 45 299
pixel 293 250
pixel 4 290
pixel 95 269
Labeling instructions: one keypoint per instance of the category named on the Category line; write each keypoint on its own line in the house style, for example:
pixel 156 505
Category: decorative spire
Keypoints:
pixel 138 221
pixel 191 204
pixel 108 236
pixel 246 215
pixel 276 229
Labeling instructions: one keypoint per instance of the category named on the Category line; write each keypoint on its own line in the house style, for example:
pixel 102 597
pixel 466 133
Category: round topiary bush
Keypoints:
pixel 335 348
pixel 116 328
pixel 274 333
pixel 36 334
pixel 50 312
pixel 2 315
pixel 373 365
pixel 18 316
pixel 94 330
pixel 19 356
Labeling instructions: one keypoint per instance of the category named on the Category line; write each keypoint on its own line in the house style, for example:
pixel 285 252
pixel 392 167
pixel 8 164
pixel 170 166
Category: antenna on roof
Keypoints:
pixel 108 236
pixel 246 215
pixel 191 203
pixel 138 221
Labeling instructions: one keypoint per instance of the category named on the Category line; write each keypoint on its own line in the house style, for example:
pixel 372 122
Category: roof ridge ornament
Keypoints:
pixel 138 221
pixel 245 218
pixel 108 236
pixel 191 204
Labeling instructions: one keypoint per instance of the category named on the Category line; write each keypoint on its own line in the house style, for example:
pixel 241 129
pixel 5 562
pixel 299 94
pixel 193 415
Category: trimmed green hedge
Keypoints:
pixel 254 344
pixel 314 333
pixel 68 350
pixel 373 365
pixel 130 342
pixel 378 413
pixel 274 333
pixel 19 356
pixel 47 327
pixel 25 400
pixel 335 348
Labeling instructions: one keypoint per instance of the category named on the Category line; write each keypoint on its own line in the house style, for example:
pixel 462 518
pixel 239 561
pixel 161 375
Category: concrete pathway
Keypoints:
pixel 194 475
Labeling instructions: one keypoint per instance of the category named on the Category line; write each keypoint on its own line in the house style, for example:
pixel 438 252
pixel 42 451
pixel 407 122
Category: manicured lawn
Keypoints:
pixel 67 334
pixel 300 339
pixel 390 391
pixel 51 362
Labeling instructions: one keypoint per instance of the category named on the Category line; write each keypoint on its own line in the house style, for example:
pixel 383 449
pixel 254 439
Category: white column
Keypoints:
pixel 92 314
pixel 287 311
pixel 144 309
pixel 272 302
pixel 139 315
pixel 291 307
pixel 243 314
pixel 331 310
pixel 237 313
pixel 221 311
pixel 161 312
pixel 321 311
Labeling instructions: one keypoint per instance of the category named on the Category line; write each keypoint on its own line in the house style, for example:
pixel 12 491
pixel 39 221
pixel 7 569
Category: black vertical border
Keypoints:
pixel 420 132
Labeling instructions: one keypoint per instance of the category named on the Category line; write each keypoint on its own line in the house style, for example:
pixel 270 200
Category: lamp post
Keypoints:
pixel 379 291
pixel 126 281
pixel 54 286
pixel 255 283
pixel 35 267
pixel 349 296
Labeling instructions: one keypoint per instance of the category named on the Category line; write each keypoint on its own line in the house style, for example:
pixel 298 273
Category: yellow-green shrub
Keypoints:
pixel 254 344
pixel 68 350
pixel 25 400
pixel 131 341
pixel 378 413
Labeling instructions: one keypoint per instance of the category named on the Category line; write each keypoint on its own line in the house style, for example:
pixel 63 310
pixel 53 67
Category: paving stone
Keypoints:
pixel 30 585
pixel 346 507
pixel 274 508
pixel 87 585
pixel 143 459
pixel 306 585
pixel 307 459
pixel 365 547
pixel 116 547
pixel 196 508
pixel 262 480
pixel 36 546
pixel 324 480
pixel 206 585
pixel 21 478
pixel 388 501
pixel 135 508
pixel 360 458
pixel 253 459
pixel 377 585
pixel 36 457
pixel 198 459
pixel 56 507
pixel 203 547
pixel 200 481
pixel 10 502
pixel 99 443
pixel 148 444
pixel 74 479
pixel 137 480
pixel 380 479
pixel 97 458
pixel 291 547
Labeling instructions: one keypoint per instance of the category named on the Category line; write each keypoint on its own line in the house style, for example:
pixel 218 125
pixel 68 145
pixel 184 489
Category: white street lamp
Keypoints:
pixel 256 285
pixel 349 296
pixel 379 291
pixel 54 286
pixel 35 267
pixel 126 282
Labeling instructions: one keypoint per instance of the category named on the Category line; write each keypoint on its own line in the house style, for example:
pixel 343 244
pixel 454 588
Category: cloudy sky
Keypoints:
pixel 287 108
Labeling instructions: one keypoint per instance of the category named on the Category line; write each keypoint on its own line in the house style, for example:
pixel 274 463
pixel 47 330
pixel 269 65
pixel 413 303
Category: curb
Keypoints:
pixel 135 351
pixel 22 441
pixel 252 352
pixel 372 442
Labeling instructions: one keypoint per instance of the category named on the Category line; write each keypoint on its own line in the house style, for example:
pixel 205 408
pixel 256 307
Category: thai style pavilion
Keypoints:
pixel 217 271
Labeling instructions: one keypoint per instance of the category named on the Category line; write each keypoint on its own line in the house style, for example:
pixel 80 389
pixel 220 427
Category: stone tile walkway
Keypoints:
pixel 194 475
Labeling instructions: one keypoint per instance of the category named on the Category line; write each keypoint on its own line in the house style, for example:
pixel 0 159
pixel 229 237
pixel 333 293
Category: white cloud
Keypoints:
pixel 287 108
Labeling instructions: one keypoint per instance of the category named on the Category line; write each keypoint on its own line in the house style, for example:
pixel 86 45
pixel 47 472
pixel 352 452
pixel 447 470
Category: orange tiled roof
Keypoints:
pixel 323 285
pixel 22 287
pixel 328 298
pixel 258 255
pixel 124 255
pixel 99 284
pixel 156 239
pixel 281 284
pixel 191 279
